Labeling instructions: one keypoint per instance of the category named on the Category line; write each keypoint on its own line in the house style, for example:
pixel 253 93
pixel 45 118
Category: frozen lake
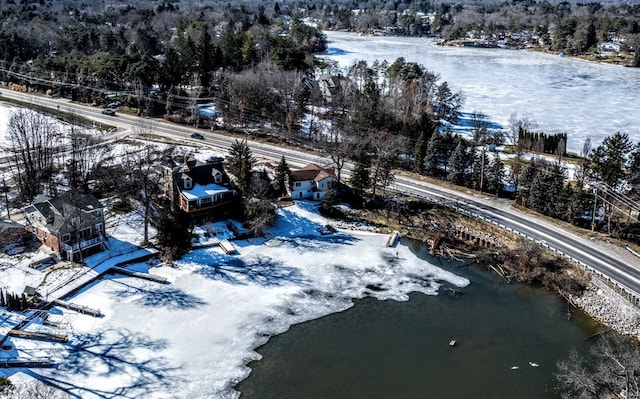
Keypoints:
pixel 561 94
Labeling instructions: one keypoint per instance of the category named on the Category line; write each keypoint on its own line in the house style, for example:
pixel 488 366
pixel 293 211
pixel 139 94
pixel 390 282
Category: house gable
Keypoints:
pixel 71 225
pixel 311 182
pixel 200 189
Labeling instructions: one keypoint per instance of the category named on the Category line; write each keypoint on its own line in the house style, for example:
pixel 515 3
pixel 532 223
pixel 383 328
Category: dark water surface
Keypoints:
pixel 389 349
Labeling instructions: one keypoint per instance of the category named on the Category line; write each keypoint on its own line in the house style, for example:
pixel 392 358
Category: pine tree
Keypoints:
pixel 431 155
pixel 281 176
pixel 174 234
pixel 419 151
pixel 526 181
pixel 459 164
pixel 360 179
pixel 495 175
pixel 241 164
pixel 479 172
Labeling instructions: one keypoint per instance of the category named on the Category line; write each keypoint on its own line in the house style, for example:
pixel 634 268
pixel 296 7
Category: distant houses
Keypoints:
pixel 334 86
pixel 311 182
pixel 72 225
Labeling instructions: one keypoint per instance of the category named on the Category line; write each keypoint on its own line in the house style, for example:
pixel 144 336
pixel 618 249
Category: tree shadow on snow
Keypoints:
pixel 110 353
pixel 164 297
pixel 263 270
pixel 315 243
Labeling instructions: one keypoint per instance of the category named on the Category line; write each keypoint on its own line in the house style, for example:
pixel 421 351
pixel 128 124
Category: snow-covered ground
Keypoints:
pixel 192 338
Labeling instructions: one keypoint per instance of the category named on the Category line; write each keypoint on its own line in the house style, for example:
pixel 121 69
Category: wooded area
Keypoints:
pixel 253 64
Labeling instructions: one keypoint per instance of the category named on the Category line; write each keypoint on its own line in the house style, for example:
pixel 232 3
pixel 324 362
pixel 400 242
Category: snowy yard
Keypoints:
pixel 192 338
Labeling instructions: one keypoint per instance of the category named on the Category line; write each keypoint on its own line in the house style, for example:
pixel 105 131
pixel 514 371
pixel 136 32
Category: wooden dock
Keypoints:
pixel 39 336
pixel 145 276
pixel 23 362
pixel 227 247
pixel 77 308
pixel 392 241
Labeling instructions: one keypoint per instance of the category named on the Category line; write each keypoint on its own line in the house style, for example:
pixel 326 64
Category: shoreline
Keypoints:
pixel 598 300
pixel 617 60
pixel 609 308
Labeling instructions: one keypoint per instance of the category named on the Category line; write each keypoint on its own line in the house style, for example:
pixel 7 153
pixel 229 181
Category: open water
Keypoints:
pixel 389 349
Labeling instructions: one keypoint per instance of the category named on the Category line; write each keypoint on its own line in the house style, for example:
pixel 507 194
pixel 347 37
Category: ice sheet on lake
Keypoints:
pixel 581 98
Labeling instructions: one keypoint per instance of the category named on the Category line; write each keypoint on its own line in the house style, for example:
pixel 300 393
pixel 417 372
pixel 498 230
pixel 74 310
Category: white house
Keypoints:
pixel 311 182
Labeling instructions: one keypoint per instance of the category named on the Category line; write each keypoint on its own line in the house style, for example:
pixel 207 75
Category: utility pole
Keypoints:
pixel 482 171
pixel 593 215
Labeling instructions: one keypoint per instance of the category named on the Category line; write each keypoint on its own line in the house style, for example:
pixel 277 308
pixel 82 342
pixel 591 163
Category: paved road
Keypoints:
pixel 623 272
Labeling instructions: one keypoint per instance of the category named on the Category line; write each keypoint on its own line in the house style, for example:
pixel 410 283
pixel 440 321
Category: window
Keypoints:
pixel 298 184
pixel 218 178
pixel 187 183
pixel 66 237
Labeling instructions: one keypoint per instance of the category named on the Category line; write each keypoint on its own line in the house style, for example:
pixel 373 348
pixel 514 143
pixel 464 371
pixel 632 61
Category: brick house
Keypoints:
pixel 71 225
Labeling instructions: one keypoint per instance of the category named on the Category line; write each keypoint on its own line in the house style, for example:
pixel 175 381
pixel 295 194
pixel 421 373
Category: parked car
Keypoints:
pixel 197 136
pixel 108 111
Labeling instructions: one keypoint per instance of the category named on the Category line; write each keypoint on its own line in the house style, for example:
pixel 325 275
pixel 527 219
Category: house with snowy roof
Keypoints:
pixel 201 189
pixel 72 225
pixel 311 182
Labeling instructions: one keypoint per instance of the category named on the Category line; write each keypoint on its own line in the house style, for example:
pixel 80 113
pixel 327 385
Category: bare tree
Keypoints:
pixel 32 390
pixel 33 141
pixel 339 148
pixel 519 124
pixel 86 155
pixel 387 148
pixel 260 211
pixel 147 178
pixel 581 169
pixel 480 128
pixel 612 370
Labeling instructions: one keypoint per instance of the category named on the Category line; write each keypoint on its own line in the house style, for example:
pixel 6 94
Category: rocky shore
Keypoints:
pixel 610 308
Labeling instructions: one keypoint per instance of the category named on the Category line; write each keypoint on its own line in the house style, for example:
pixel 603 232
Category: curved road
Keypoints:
pixel 580 249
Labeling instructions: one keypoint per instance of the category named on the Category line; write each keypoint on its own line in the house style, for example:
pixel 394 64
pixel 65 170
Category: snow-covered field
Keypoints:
pixel 192 338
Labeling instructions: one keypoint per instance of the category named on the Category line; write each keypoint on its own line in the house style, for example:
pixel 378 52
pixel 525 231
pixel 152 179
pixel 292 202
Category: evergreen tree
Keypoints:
pixel 495 175
pixel 419 152
pixel 526 180
pixel 174 234
pixel 479 172
pixel 331 196
pixel 538 198
pixel 459 163
pixel 609 166
pixel 360 179
pixel 548 193
pixel 241 165
pixel 431 161
pixel 207 62
pixel 634 169
pixel 579 201
pixel 281 176
pixel 608 162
